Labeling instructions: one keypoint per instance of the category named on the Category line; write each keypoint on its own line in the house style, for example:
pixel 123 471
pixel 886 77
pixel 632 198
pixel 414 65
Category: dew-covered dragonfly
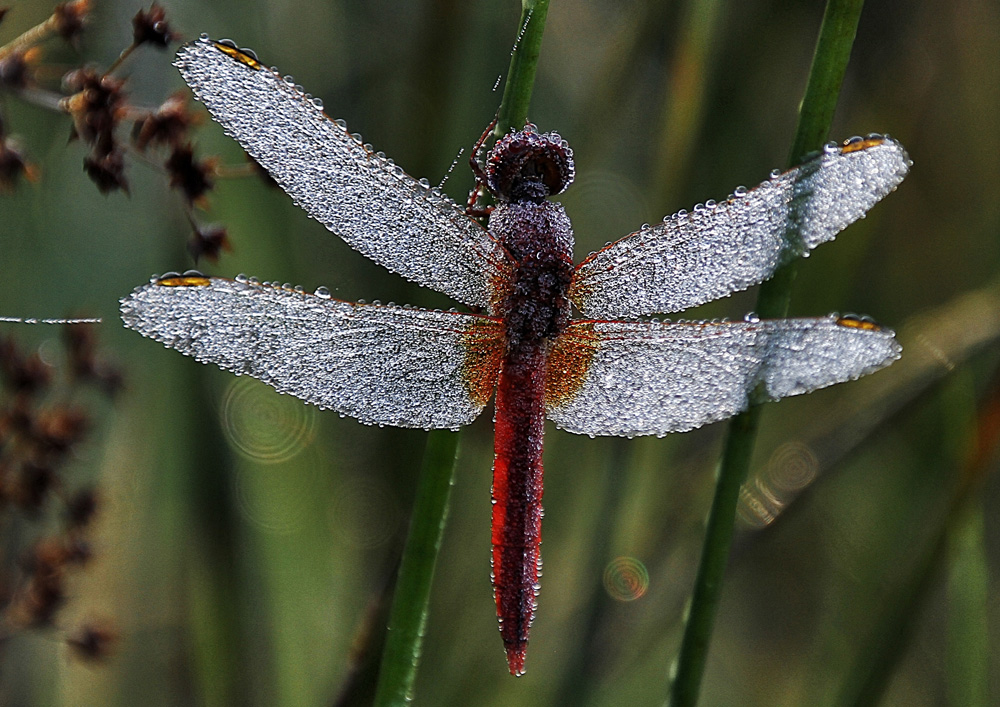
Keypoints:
pixel 595 375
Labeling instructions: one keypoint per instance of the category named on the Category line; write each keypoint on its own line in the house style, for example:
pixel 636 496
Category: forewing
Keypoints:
pixel 372 204
pixel 718 249
pixel 380 364
pixel 643 378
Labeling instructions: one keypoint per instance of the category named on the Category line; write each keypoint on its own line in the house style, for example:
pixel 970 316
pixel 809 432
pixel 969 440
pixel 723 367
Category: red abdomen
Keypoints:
pixel 517 497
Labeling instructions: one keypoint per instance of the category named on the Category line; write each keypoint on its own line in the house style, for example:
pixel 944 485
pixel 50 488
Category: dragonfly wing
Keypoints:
pixel 718 249
pixel 642 378
pixel 372 204
pixel 380 364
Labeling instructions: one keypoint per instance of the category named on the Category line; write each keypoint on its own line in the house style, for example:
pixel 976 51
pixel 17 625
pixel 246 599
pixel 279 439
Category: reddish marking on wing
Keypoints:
pixel 569 362
pixel 483 344
pixel 858 145
pixel 185 281
pixel 238 55
pixel 857 323
pixel 501 284
pixel 580 290
pixel 517 497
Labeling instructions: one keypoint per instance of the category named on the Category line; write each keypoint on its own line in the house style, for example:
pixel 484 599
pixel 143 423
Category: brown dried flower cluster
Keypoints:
pixel 42 427
pixel 105 119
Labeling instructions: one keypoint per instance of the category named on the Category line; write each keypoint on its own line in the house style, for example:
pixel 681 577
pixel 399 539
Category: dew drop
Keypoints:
pixel 322 292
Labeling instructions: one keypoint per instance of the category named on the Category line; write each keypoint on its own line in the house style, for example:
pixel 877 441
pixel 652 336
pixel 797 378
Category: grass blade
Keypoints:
pixel 833 50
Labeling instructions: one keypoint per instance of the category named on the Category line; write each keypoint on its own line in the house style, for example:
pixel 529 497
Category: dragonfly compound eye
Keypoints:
pixel 529 166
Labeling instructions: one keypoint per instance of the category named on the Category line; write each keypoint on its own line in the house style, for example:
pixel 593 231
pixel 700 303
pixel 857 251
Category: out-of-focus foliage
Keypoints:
pixel 244 538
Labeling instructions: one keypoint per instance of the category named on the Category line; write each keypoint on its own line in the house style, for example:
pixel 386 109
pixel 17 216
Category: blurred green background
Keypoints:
pixel 244 537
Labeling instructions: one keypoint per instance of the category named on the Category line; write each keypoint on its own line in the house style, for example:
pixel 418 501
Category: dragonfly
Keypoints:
pixel 607 371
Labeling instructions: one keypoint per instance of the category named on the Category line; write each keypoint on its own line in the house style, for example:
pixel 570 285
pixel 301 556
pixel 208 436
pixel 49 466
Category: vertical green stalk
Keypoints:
pixel 968 640
pixel 408 615
pixel 513 111
pixel 833 50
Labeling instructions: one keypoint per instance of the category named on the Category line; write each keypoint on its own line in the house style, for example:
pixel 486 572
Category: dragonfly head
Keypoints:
pixel 528 166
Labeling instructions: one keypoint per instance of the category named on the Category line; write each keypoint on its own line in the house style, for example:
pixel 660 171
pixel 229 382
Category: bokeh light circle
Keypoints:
pixel 264 425
pixel 792 467
pixel 277 498
pixel 626 579
pixel 364 514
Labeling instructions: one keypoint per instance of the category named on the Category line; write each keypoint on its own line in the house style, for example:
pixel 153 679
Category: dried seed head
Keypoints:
pixel 14 70
pixel 167 125
pixel 70 17
pixel 151 27
pixel 97 106
pixel 31 486
pixel 93 640
pixel 59 428
pixel 81 508
pixel 209 242
pixel 107 171
pixel 13 165
pixel 23 374
pixel 191 177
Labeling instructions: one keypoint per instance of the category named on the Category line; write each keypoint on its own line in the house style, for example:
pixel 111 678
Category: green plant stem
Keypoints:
pixel 968 640
pixel 833 50
pixel 513 111
pixel 408 615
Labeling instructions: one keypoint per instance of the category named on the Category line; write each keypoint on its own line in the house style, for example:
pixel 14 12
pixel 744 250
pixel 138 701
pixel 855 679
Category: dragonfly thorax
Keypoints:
pixel 539 238
pixel 528 166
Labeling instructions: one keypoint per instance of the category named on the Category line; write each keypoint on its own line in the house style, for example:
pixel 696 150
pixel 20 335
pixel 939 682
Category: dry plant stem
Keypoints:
pixel 29 38
pixel 833 50
pixel 408 615
pixel 42 98
pixel 121 58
